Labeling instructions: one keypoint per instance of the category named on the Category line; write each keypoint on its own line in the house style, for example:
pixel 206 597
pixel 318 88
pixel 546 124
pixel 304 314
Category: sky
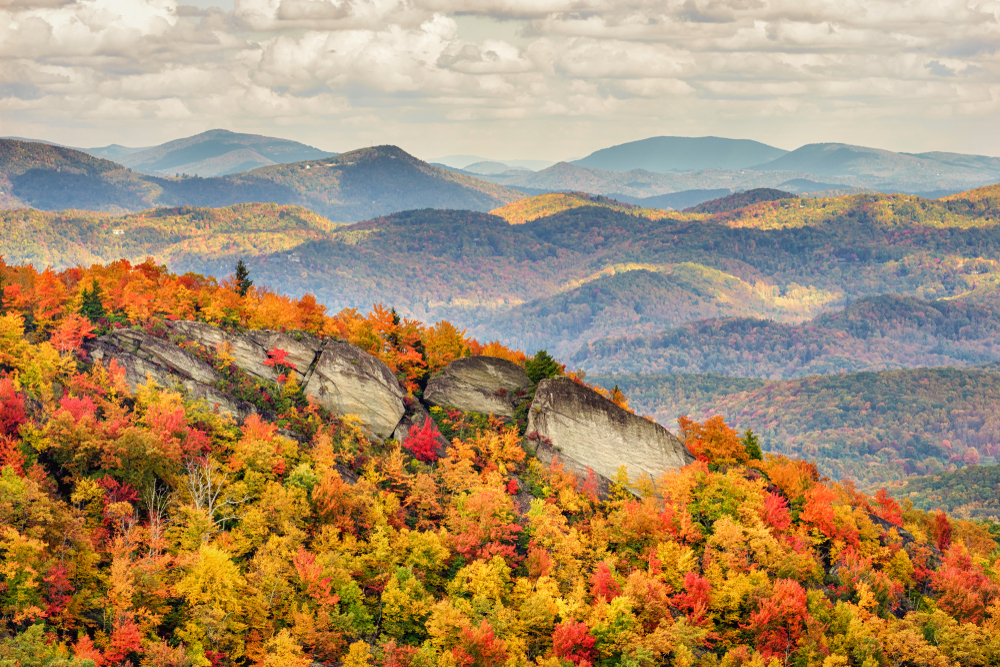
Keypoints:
pixel 505 79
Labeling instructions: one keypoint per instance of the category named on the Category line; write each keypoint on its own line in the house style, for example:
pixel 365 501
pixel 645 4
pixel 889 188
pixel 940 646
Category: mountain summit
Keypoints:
pixel 667 154
pixel 212 153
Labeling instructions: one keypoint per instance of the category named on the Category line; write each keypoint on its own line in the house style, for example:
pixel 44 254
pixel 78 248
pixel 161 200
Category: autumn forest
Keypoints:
pixel 829 366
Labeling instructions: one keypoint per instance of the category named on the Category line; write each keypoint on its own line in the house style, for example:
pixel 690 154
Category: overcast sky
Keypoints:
pixel 541 79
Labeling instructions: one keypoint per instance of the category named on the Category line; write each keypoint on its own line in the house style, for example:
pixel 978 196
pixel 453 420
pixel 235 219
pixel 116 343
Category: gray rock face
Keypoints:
pixel 349 381
pixel 339 376
pixel 144 357
pixel 478 384
pixel 249 349
pixel 587 430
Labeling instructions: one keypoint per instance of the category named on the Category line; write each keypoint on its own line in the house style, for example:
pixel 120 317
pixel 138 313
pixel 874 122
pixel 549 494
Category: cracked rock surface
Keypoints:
pixel 337 375
pixel 478 384
pixel 581 426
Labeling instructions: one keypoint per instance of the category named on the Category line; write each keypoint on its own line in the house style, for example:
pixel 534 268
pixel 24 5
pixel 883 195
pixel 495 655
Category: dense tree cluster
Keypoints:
pixel 144 528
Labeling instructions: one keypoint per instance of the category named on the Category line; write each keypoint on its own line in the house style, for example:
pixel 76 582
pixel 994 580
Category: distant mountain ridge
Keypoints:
pixel 672 154
pixel 352 186
pixel 215 153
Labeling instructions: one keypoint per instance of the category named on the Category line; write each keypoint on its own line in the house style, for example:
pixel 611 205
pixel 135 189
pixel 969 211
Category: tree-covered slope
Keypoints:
pixel 972 492
pixel 785 260
pixel 870 427
pixel 140 526
pixel 873 333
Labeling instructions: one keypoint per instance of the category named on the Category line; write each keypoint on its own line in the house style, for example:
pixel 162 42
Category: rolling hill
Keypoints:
pixel 869 427
pixel 584 269
pixel 346 188
pixel 671 154
pixel 213 153
pixel 872 334
pixel 638 183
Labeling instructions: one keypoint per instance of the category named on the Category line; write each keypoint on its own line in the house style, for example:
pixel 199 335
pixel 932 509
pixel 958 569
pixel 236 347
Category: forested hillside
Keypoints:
pixel 562 280
pixel 141 527
pixel 972 492
pixel 873 333
pixel 346 188
pixel 869 427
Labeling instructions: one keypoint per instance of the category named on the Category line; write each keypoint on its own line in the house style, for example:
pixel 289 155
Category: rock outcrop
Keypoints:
pixel 479 384
pixel 339 376
pixel 349 381
pixel 587 430
pixel 144 357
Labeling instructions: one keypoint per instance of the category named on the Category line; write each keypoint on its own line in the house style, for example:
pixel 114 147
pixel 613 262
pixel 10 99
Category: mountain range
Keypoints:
pixel 212 153
pixel 241 168
pixel 345 188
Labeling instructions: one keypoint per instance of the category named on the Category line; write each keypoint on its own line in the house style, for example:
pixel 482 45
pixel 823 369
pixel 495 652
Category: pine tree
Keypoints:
pixel 752 445
pixel 541 367
pixel 243 282
pixel 3 304
pixel 93 306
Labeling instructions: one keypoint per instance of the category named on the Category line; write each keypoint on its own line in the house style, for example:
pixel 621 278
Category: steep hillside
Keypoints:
pixel 346 188
pixel 669 154
pixel 869 427
pixel 872 334
pixel 53 177
pixel 217 152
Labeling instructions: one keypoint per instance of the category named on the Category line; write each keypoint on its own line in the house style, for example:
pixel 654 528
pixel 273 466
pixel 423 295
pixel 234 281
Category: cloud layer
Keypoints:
pixel 507 78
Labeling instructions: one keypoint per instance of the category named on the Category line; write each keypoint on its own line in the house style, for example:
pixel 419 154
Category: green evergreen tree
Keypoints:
pixel 542 366
pixel 92 306
pixel 243 282
pixel 752 446
pixel 3 304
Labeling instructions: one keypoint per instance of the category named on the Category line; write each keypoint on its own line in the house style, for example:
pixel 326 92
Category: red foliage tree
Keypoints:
pixel 603 584
pixel 776 512
pixel 887 508
pixel 965 590
pixel 780 620
pixel 696 598
pixel 941 530
pixel 12 413
pixel 479 647
pixel 572 641
pixel 422 441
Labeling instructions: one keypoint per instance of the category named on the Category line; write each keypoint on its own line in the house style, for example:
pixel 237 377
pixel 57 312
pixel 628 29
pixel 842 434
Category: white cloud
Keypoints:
pixel 558 77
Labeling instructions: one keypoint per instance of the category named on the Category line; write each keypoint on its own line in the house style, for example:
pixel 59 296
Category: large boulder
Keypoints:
pixel 144 358
pixel 337 375
pixel 587 430
pixel 479 384
pixel 249 348
pixel 349 381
